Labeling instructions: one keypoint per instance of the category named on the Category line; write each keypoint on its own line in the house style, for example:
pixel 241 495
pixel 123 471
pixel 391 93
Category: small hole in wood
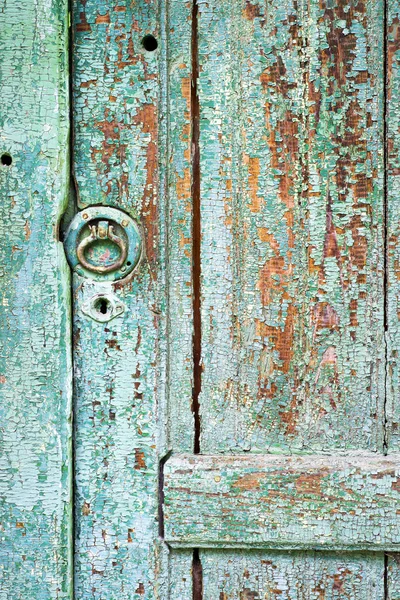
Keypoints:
pixel 149 43
pixel 6 160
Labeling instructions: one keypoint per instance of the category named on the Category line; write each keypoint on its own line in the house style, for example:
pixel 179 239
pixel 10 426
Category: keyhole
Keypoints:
pixel 102 306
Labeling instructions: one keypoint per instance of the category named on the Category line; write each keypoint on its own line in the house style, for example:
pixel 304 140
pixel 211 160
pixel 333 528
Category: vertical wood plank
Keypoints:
pixel 291 146
pixel 180 580
pixel 291 100
pixel 393 230
pixel 180 422
pixel 120 365
pixel 35 365
pixel 392 415
pixel 179 178
pixel 393 577
pixel 293 576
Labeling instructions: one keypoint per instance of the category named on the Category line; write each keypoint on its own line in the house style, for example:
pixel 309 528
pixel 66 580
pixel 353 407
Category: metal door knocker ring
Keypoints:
pixel 102 231
pixel 103 243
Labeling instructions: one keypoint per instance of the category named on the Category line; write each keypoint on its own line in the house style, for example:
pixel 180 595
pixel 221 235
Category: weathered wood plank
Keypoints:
pixel 180 580
pixel 35 365
pixel 291 146
pixel 333 502
pixel 393 577
pixel 291 576
pixel 120 365
pixel 179 266
pixel 392 226
pixel 115 447
pixel 116 85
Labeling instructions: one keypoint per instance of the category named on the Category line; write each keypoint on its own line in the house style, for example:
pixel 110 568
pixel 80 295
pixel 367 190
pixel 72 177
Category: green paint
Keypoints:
pixel 338 502
pixel 393 230
pixel 119 366
pixel 292 260
pixel 296 576
pixel 179 274
pixel 35 365
pixel 291 110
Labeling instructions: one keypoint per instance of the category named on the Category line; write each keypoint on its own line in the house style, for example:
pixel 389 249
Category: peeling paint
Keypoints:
pixel 35 365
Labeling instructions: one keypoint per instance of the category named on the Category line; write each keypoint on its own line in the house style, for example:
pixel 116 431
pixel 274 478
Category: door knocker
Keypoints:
pixel 103 244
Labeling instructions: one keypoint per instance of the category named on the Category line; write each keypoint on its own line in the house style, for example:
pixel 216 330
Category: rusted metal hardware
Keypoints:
pixel 103 243
pixel 103 307
pixel 102 231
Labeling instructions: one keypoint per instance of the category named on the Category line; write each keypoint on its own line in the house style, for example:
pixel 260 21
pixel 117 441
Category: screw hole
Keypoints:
pixel 128 264
pixel 6 160
pixel 102 306
pixel 149 43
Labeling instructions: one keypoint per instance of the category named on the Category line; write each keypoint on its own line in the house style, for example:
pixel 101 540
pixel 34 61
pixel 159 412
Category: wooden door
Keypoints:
pixel 216 418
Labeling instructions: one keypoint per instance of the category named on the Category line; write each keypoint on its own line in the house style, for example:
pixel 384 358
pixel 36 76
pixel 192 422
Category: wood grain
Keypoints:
pixel 35 364
pixel 340 502
pixel 291 143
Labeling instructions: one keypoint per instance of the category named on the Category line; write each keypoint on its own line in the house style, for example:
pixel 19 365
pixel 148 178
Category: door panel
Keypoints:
pixel 393 577
pixel 180 575
pixel 239 403
pixel 35 363
pixel 291 147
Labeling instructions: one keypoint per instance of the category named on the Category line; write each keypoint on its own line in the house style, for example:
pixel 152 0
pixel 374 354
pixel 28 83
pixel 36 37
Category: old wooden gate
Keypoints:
pixel 200 261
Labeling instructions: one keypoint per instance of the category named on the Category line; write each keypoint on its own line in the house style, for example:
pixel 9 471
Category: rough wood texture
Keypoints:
pixel 35 366
pixel 393 577
pixel 119 366
pixel 291 576
pixel 292 260
pixel 180 322
pixel 291 143
pixel 292 306
pixel 393 229
pixel 180 580
pixel 266 501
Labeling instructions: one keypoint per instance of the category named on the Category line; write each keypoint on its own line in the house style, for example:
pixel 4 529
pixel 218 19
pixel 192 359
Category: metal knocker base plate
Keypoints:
pixel 103 244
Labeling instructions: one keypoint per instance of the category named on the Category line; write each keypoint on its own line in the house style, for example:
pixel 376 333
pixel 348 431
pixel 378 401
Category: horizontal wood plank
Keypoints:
pixel 344 502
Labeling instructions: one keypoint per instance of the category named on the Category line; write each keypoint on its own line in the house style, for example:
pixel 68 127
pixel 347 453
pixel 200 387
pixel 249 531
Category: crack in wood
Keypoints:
pixel 385 222
pixel 197 574
pixel 196 232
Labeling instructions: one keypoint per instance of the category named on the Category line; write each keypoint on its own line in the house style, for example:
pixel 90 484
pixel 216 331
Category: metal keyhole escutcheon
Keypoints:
pixel 103 243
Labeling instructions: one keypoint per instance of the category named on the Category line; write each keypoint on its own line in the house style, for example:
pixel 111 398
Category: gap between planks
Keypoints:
pixel 197 571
